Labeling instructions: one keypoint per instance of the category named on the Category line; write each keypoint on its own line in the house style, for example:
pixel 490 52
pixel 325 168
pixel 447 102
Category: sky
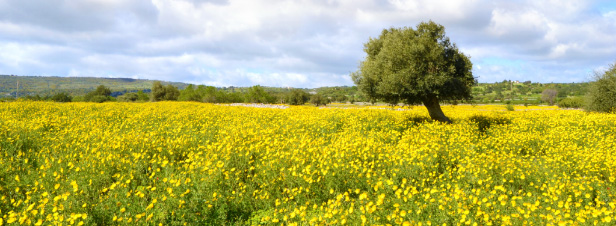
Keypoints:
pixel 301 43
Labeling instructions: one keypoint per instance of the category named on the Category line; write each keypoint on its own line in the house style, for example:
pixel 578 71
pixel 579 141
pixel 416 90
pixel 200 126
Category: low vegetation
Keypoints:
pixel 571 102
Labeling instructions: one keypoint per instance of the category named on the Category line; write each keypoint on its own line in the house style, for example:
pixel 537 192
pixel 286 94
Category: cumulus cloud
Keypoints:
pixel 294 43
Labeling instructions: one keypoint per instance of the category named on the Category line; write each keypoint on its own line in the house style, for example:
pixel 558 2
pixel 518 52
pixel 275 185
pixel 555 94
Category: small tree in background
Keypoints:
pixel 257 94
pixel 297 97
pixel 171 92
pixel 318 100
pixel 602 93
pixel 190 94
pixel 101 94
pixel 549 95
pixel 160 92
pixel 142 96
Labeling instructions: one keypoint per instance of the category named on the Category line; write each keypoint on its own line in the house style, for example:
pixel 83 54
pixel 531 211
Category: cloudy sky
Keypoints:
pixel 301 43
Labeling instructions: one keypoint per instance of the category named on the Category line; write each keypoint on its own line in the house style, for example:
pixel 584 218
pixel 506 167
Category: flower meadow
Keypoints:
pixel 178 163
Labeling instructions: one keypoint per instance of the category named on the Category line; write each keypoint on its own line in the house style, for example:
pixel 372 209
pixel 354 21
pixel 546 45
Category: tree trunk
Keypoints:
pixel 434 109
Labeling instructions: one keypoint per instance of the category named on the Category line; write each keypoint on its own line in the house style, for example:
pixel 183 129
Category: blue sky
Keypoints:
pixel 301 43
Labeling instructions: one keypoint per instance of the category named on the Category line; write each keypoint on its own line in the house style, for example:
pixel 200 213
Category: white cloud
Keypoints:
pixel 293 43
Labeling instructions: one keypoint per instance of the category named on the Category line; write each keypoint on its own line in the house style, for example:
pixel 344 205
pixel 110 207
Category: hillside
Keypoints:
pixel 75 86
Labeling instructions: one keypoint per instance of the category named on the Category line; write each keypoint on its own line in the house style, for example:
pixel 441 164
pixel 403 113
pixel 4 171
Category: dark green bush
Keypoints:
pixel 97 98
pixel 318 99
pixel 62 97
pixel 297 97
pixel 101 94
pixel 128 97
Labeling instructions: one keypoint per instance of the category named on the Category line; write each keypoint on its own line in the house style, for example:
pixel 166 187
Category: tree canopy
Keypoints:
pixel 160 92
pixel 101 94
pixel 415 66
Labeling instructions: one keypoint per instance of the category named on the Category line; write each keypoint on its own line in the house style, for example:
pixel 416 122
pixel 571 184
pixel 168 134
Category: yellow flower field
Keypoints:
pixel 175 163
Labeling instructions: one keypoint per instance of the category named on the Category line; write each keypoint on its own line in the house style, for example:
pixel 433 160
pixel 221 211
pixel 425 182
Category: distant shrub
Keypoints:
pixel 510 107
pixel 571 102
pixel 297 97
pixel 256 94
pixel 101 94
pixel 318 99
pixel 162 93
pixel 602 93
pixel 128 97
pixel 61 97
pixel 97 98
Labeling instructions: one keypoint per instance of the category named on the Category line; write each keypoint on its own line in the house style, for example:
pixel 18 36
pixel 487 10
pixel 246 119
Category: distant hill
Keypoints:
pixel 75 86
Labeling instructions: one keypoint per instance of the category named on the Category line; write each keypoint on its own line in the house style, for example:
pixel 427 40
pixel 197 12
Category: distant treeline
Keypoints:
pixel 83 89
pixel 198 93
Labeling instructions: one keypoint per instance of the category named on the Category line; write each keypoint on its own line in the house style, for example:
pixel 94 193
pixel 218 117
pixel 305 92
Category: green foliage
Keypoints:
pixel 37 97
pixel 189 94
pixel 340 94
pixel 510 107
pixel 158 91
pixel 209 94
pixel 257 94
pixel 134 97
pixel 142 96
pixel 102 90
pixel 96 98
pixel 571 102
pixel 62 97
pixel 602 95
pixel 171 92
pixel 161 93
pixel 101 94
pixel 414 65
pixel 318 100
pixel 297 97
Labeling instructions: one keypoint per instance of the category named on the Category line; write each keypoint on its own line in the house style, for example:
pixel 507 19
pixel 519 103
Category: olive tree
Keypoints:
pixel 415 66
